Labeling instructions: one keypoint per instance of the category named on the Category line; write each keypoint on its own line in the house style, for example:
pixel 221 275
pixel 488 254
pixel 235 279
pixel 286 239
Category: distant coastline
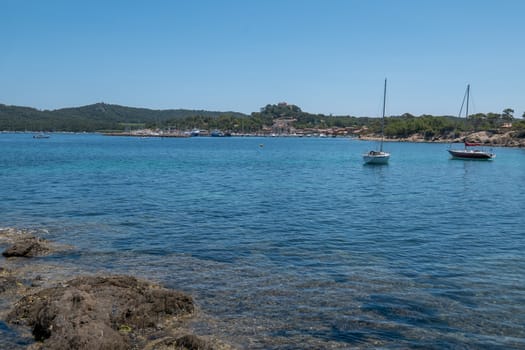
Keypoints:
pixel 485 138
pixel 281 119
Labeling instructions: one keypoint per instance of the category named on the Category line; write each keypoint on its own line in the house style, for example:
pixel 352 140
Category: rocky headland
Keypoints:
pixel 89 312
pixel 485 138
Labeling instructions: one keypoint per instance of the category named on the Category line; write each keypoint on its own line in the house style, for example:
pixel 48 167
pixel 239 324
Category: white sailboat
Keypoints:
pixel 470 153
pixel 379 157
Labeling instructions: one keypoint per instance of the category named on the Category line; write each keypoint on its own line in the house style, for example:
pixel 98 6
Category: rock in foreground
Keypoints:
pixel 27 247
pixel 7 283
pixel 98 312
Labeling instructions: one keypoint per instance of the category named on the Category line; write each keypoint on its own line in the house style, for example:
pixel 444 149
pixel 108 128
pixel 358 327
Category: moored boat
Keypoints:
pixel 379 157
pixel 470 153
pixel 376 157
pixel 41 136
pixel 475 154
pixel 217 133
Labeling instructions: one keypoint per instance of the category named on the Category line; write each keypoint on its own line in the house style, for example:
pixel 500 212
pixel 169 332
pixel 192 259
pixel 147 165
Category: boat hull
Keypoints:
pixel 41 136
pixel 471 154
pixel 376 157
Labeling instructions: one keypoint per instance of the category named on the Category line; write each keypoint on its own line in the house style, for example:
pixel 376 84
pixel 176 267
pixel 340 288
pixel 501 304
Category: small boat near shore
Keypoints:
pixel 217 133
pixel 379 157
pixel 41 136
pixel 474 154
pixel 469 153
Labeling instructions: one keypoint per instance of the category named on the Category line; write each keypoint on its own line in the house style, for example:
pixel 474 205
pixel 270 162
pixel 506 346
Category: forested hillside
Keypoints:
pixel 95 117
pixel 101 117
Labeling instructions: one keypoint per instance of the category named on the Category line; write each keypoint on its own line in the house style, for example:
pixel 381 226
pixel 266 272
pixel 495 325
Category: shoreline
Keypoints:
pixel 43 305
pixel 486 139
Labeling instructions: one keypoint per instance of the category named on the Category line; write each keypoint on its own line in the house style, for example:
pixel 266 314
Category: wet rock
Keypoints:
pixel 192 342
pixel 27 247
pixel 97 312
pixel 11 231
pixel 7 283
pixel 186 342
pixel 7 280
pixel 37 281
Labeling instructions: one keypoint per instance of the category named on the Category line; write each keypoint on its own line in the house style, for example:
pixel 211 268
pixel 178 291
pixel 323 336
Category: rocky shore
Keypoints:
pixel 89 312
pixel 486 138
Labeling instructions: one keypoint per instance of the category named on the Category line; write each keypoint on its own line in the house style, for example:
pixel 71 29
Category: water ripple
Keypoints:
pixel 295 243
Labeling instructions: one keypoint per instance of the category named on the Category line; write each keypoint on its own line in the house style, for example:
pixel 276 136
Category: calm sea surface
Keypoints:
pixel 288 242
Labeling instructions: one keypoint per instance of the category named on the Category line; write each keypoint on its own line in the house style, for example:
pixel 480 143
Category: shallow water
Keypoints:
pixel 289 242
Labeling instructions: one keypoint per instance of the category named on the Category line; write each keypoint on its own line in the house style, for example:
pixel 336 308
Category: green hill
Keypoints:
pixel 95 117
pixel 108 117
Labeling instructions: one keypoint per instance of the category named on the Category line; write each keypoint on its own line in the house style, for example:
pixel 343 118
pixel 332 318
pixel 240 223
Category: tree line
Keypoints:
pixel 103 117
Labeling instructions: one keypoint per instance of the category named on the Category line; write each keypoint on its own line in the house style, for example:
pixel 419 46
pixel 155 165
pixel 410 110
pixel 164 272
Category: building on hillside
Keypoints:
pixel 283 126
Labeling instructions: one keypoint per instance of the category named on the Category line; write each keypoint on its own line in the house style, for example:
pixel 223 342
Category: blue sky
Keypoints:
pixel 326 56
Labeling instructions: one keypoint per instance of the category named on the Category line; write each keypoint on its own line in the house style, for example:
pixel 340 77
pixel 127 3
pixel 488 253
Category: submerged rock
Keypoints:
pixel 98 312
pixel 27 247
pixel 7 280
pixel 94 312
pixel 7 283
pixel 185 342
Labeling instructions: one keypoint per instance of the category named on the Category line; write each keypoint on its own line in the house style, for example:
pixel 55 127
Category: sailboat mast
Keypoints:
pixel 468 95
pixel 383 119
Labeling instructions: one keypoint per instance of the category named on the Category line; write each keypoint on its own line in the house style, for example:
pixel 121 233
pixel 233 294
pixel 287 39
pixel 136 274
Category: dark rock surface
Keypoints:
pixel 7 280
pixel 100 313
pixel 186 342
pixel 27 247
pixel 7 283
pixel 87 312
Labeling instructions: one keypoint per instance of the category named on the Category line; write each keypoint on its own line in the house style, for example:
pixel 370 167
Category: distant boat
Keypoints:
pixel 470 153
pixel 217 133
pixel 40 136
pixel 379 157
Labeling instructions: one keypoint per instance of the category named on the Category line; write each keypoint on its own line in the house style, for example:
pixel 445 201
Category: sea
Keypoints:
pixel 287 242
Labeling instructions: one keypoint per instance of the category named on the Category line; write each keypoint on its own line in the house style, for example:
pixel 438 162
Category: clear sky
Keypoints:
pixel 326 56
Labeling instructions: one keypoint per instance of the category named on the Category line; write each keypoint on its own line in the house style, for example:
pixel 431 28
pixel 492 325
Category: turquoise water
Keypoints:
pixel 290 242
